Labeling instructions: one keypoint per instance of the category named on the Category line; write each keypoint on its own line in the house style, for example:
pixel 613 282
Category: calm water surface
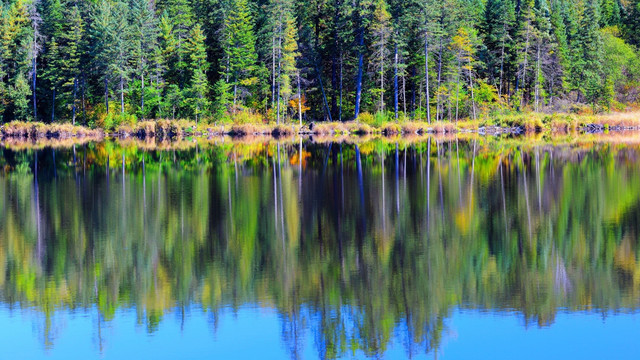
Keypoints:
pixel 448 248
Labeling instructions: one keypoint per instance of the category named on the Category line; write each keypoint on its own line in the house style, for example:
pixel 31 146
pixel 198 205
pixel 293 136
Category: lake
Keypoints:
pixel 438 247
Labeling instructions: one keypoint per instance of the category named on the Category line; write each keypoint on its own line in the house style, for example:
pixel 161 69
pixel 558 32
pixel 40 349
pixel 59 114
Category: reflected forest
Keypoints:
pixel 353 242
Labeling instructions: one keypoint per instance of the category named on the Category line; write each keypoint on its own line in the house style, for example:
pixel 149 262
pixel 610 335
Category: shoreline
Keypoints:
pixel 175 130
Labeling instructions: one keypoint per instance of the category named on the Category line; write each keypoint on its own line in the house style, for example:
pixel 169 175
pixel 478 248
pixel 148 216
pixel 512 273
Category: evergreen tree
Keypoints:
pixel 631 24
pixel 609 13
pixel 145 45
pixel 199 86
pixel 239 47
pixel 284 51
pixel 586 71
pixel 380 33
pixel 19 95
pixel 15 58
pixel 178 14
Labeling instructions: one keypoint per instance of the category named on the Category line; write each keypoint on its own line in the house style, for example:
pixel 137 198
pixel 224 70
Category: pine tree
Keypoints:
pixel 199 86
pixel 543 48
pixel 145 44
pixel 586 71
pixel 15 60
pixel 239 47
pixel 556 77
pixel 609 13
pixel 284 51
pixel 380 34
pixel 19 94
pixel 496 52
pixel 179 15
pixel 631 23
pixel 36 48
pixel 464 46
pixel 361 22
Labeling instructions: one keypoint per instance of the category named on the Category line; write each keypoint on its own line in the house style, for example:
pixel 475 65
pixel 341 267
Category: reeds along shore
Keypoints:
pixel 177 129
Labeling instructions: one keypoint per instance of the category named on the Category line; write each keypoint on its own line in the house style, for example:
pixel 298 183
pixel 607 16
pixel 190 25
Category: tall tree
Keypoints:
pixel 199 87
pixel 239 47
pixel 145 33
pixel 380 34
pixel 284 51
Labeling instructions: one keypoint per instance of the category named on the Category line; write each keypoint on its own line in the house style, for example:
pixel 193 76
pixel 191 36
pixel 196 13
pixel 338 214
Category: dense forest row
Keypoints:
pixel 103 63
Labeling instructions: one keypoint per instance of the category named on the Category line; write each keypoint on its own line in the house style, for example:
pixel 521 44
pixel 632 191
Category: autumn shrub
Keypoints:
pixel 367 118
pixel 246 117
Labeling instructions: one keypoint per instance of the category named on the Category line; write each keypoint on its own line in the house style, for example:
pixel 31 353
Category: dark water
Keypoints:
pixel 448 248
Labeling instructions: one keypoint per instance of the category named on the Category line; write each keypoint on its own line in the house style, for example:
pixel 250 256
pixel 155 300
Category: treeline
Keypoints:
pixel 108 62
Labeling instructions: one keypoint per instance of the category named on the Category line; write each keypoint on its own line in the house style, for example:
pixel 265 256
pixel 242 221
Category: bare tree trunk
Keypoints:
pixel 382 73
pixel 142 92
pixel 360 66
pixel 502 60
pixel 75 88
pixel 53 105
pixel 395 82
pixel 35 108
pixel 300 102
pixel 473 100
pixel 458 88
pixel 537 91
pixel 341 79
pixel 441 115
pixel 121 95
pixel 106 93
pixel 426 75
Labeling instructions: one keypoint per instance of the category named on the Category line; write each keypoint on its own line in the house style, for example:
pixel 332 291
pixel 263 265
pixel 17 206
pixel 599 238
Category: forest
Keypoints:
pixel 107 63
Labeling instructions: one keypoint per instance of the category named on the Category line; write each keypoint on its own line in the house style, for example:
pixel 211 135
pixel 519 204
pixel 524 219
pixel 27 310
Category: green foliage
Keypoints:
pixel 166 59
pixel 19 95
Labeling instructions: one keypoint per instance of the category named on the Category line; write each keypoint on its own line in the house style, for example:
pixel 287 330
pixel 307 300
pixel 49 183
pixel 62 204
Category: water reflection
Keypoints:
pixel 356 245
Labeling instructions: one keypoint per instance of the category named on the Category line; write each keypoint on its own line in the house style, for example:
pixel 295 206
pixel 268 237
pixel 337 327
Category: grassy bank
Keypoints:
pixel 177 129
pixel 38 130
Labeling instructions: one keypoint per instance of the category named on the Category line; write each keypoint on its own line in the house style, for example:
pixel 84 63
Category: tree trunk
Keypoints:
pixel 142 93
pixel 324 95
pixel 440 116
pixel 84 108
pixel 426 75
pixel 395 82
pixel 299 102
pixel 458 88
pixel 473 100
pixel 106 93
pixel 121 95
pixel 382 74
pixel 75 88
pixel 538 77
pixel 341 79
pixel 35 108
pixel 360 69
pixel 53 105
pixel 502 61
pixel 273 72
pixel 279 72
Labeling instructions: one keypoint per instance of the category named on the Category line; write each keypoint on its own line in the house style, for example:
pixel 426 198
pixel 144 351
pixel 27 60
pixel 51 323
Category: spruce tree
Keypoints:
pixel 199 101
pixel 380 34
pixel 284 52
pixel 631 23
pixel 239 47
pixel 586 71
pixel 145 33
